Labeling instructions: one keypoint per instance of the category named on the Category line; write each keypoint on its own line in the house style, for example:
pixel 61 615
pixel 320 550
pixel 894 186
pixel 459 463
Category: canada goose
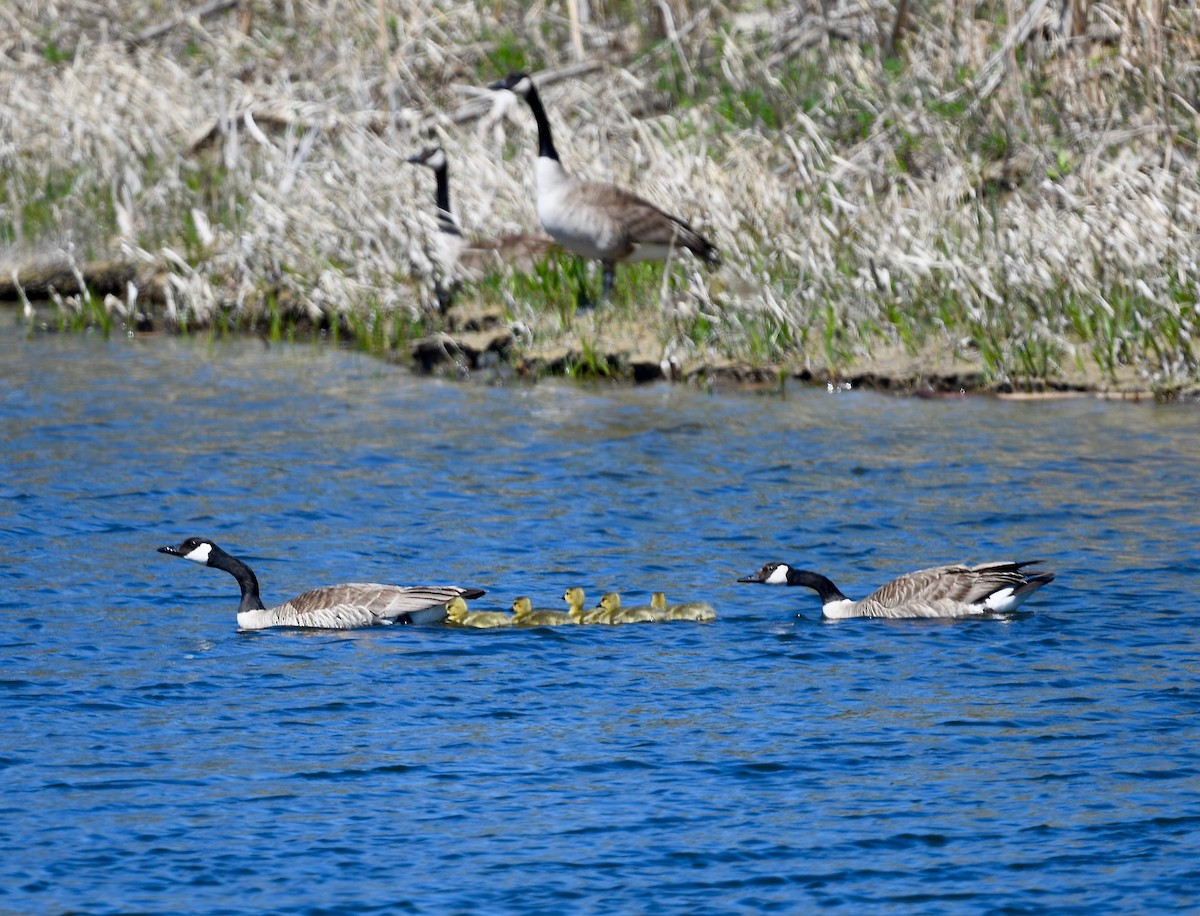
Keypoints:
pixel 335 607
pixel 525 616
pixel 687 610
pixel 940 591
pixel 457 613
pixel 456 255
pixel 595 219
pixel 610 604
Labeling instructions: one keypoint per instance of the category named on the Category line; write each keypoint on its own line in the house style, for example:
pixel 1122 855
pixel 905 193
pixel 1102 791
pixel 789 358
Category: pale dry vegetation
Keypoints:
pixel 1007 191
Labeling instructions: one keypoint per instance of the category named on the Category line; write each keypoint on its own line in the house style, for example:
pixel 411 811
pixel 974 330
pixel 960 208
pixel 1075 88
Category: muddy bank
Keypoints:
pixel 480 340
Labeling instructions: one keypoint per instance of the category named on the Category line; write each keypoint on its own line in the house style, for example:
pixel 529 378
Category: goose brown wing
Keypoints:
pixel 642 223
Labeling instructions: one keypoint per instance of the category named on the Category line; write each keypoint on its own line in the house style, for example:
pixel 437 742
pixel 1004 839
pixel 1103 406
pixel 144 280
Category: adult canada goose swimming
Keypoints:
pixel 457 613
pixel 610 604
pixel 525 616
pixel 596 219
pixel 334 607
pixel 687 610
pixel 940 591
pixel 575 597
pixel 459 257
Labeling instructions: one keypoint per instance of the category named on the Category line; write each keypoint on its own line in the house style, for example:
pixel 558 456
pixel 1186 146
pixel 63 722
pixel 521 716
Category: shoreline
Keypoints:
pixel 473 339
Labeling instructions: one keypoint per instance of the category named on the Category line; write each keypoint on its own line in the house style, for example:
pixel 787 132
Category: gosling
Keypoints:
pixel 457 613
pixel 687 610
pixel 575 597
pixel 610 604
pixel 525 616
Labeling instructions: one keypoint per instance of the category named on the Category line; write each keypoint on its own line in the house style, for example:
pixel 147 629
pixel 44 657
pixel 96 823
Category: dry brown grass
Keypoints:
pixel 999 190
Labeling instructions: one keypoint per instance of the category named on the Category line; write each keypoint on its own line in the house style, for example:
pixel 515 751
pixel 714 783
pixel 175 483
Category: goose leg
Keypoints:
pixel 445 296
pixel 610 272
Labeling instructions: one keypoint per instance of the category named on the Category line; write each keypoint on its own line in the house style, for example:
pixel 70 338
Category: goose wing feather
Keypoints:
pixel 357 604
pixel 635 221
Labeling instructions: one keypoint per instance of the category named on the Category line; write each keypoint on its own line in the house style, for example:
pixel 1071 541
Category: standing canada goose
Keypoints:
pixel 457 613
pixel 525 616
pixel 575 597
pixel 457 256
pixel 610 604
pixel 334 607
pixel 940 591
pixel 687 610
pixel 595 219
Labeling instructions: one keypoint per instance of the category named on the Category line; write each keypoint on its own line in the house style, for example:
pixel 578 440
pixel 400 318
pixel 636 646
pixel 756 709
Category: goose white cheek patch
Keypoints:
pixel 778 576
pixel 200 554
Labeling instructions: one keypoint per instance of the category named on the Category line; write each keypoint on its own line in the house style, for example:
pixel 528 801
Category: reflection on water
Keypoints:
pixel 156 759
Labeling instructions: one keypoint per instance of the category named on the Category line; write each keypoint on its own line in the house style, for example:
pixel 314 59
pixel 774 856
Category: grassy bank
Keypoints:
pixel 980 188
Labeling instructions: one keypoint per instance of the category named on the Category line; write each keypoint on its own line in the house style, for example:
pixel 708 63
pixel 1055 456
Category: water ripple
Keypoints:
pixel 157 760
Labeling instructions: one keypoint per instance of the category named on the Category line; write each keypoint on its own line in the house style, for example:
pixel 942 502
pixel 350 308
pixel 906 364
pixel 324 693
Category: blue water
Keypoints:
pixel 156 760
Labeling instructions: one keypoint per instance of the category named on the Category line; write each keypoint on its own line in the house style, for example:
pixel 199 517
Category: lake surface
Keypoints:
pixel 156 760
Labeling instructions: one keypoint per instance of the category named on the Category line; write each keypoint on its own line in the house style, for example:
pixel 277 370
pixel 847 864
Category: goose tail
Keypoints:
pixel 698 245
pixel 1033 583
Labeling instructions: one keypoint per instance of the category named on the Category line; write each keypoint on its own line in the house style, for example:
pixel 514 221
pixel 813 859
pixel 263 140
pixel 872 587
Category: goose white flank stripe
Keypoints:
pixel 595 219
pixel 334 607
pixel 940 591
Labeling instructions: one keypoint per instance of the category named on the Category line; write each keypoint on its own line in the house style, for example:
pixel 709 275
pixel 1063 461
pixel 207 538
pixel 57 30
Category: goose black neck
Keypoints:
pixel 246 579
pixel 545 141
pixel 446 221
pixel 443 189
pixel 818 583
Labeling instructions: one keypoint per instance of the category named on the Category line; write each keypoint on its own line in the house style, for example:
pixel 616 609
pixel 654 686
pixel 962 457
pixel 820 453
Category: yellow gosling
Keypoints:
pixel 575 597
pixel 525 616
pixel 614 614
pixel 457 613
pixel 688 610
